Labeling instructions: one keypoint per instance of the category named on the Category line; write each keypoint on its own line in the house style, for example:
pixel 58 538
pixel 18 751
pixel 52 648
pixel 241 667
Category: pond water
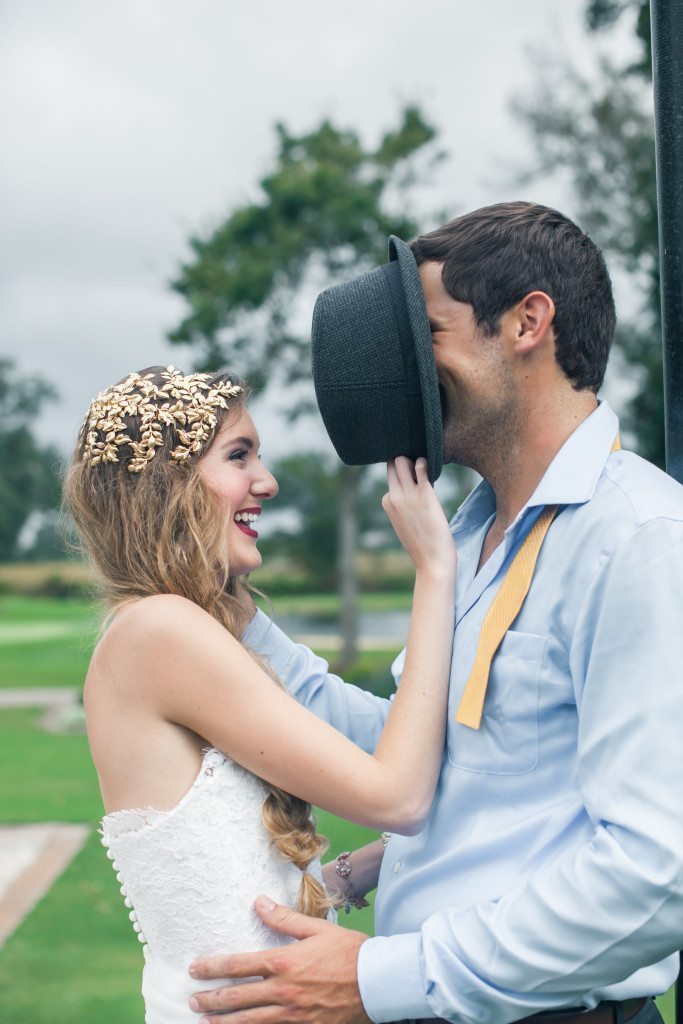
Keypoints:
pixel 388 625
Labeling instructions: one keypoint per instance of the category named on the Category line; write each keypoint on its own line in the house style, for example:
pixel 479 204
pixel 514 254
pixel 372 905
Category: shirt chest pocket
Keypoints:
pixel 507 742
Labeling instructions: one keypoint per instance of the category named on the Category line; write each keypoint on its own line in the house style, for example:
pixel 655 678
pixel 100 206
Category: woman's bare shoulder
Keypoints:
pixel 149 627
pixel 154 611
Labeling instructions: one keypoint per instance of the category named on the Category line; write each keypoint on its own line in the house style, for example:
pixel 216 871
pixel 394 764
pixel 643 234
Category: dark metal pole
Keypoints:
pixel 667 75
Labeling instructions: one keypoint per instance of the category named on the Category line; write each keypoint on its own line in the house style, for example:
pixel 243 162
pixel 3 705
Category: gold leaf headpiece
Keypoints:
pixel 187 403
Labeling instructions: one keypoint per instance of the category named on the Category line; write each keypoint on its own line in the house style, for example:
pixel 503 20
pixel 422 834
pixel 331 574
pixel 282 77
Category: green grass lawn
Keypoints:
pixel 75 957
pixel 32 610
pixel 63 660
pixel 77 612
pixel 36 660
pixel 328 605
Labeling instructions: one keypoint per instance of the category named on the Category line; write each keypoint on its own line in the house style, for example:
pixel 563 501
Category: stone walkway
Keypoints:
pixel 62 709
pixel 32 857
pixel 38 696
pixel 23 632
pixel 333 642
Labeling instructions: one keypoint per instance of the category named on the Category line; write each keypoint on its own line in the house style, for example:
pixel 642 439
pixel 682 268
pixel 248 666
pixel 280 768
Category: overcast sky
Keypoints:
pixel 127 126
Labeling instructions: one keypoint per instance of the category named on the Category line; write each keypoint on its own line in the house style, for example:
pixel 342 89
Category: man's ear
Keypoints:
pixel 534 316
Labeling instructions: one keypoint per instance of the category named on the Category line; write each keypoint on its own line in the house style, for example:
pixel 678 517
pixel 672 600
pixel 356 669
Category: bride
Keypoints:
pixel 208 768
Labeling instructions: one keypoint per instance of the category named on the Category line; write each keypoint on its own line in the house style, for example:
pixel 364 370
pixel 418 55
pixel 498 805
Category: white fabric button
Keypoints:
pixel 132 916
pixel 123 890
pixel 119 877
pixel 136 927
pixel 141 938
pixel 128 902
pixel 397 867
pixel 110 855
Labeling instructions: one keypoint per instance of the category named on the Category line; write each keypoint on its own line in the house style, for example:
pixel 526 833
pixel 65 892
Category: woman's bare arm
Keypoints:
pixel 189 670
pixel 365 864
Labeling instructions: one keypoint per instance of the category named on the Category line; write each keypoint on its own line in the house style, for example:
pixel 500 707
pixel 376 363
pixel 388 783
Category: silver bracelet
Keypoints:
pixel 343 869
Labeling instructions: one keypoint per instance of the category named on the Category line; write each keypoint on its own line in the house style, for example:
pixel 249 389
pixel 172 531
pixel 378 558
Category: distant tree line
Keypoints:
pixel 597 133
pixel 29 476
pixel 322 213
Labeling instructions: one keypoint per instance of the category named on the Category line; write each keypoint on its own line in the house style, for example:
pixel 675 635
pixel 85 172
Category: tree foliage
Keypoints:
pixel 599 134
pixel 322 215
pixel 603 14
pixel 310 488
pixel 27 480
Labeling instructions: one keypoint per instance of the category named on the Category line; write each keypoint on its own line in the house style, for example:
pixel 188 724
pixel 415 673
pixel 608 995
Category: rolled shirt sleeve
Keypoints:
pixel 355 712
pixel 592 918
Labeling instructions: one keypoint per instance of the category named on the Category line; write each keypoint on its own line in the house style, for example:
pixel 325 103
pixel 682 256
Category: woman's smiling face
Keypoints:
pixel 233 472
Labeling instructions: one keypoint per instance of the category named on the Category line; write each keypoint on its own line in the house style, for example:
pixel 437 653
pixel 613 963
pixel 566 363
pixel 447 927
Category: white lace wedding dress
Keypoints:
pixel 189 877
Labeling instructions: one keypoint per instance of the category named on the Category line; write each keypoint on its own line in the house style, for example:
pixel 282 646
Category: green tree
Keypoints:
pixel 309 487
pixel 27 480
pixel 323 214
pixel 598 133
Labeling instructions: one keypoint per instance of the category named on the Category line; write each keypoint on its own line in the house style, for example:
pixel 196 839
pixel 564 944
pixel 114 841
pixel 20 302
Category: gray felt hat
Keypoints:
pixel 373 366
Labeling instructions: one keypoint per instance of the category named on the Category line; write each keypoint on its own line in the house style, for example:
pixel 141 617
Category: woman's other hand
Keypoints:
pixel 416 515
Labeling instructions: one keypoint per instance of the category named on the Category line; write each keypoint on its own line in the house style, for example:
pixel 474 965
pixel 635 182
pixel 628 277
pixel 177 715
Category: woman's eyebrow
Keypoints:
pixel 246 442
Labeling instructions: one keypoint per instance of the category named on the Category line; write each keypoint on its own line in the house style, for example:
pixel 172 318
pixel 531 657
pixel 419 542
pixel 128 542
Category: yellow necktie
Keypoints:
pixel 504 610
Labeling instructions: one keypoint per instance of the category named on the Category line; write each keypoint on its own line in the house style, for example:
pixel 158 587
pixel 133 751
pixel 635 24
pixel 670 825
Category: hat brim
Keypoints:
pixel 424 351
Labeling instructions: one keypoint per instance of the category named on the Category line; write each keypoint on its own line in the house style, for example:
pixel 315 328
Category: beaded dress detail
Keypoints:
pixel 190 875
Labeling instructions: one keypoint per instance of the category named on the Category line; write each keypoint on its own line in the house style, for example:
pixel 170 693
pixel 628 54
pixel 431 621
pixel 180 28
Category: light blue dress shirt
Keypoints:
pixel 550 871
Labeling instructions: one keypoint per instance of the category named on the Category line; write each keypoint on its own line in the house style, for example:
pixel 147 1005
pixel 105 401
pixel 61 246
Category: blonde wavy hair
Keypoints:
pixel 157 532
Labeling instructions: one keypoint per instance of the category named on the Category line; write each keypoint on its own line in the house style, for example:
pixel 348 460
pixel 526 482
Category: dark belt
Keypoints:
pixel 603 1013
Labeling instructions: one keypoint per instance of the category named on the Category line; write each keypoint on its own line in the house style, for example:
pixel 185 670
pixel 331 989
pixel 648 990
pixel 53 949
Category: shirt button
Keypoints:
pixel 397 867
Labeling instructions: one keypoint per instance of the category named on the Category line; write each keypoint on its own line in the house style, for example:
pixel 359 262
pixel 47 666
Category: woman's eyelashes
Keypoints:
pixel 239 455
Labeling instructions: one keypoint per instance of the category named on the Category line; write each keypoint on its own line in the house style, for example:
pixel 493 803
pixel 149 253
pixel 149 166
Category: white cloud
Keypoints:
pixel 128 126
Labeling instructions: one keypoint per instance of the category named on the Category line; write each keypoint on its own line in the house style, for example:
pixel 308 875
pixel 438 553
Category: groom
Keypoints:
pixel 549 876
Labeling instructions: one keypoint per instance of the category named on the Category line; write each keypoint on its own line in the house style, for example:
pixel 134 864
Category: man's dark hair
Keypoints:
pixel 495 256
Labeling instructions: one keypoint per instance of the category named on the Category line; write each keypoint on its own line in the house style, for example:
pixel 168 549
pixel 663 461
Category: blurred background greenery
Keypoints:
pixel 331 566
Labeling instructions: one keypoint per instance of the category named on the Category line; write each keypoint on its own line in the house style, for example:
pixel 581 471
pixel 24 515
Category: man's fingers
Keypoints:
pixel 239 965
pixel 288 921
pixel 233 998
pixel 264 1015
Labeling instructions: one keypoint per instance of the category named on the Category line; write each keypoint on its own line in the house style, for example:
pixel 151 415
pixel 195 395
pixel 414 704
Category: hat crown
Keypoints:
pixel 373 365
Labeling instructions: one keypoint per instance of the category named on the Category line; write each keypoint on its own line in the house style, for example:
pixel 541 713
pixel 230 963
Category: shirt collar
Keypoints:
pixel 570 479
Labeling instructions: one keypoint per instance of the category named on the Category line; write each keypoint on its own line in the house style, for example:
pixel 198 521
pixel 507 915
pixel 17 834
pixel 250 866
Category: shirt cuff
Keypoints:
pixel 390 978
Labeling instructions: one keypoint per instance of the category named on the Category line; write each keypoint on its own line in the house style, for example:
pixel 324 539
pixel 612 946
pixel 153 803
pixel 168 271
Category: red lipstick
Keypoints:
pixel 243 526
